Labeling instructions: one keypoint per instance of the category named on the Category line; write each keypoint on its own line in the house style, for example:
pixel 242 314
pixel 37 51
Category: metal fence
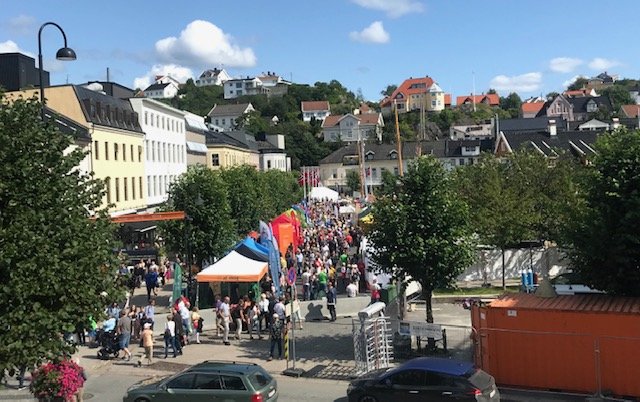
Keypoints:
pixel 372 343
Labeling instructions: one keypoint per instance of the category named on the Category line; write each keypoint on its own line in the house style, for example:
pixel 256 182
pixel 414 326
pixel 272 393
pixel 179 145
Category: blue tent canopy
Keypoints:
pixel 251 249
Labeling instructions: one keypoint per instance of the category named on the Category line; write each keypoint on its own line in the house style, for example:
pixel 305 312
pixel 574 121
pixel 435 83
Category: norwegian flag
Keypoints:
pixel 310 176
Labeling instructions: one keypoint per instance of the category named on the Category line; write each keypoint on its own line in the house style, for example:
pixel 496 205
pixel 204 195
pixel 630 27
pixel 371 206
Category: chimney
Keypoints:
pixel 616 123
pixel 552 128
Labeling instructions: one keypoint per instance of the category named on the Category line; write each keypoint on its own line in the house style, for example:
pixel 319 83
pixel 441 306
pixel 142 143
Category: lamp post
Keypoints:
pixel 64 53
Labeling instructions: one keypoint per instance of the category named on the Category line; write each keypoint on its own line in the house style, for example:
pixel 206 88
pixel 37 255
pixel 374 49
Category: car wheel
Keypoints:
pixel 142 400
pixel 367 398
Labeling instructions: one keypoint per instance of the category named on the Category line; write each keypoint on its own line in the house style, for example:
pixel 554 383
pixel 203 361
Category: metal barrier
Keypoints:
pixel 372 343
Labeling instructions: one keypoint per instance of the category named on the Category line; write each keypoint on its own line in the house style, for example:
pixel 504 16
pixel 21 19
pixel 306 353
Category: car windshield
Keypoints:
pixel 480 379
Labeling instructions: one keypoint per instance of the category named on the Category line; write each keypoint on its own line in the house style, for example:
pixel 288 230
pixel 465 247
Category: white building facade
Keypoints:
pixel 165 146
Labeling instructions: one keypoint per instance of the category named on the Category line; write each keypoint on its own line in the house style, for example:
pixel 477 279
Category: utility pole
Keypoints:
pixel 400 171
pixel 360 149
pixel 473 95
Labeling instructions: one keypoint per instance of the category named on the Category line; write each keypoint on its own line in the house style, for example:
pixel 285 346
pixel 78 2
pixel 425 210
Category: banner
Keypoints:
pixel 177 282
pixel 268 240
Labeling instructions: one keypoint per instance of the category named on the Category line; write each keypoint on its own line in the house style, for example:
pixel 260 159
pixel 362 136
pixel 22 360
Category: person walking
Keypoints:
pixel 218 312
pixel 124 330
pixel 276 332
pixel 151 281
pixel 196 320
pixel 170 336
pixel 236 316
pixel 306 284
pixel 331 301
pixel 263 305
pixel 147 342
pixel 179 331
pixel 226 318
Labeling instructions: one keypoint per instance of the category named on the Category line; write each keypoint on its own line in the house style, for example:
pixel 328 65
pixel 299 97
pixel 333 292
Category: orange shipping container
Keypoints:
pixel 581 343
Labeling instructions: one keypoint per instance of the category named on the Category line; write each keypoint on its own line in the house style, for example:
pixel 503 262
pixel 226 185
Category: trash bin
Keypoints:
pixel 388 294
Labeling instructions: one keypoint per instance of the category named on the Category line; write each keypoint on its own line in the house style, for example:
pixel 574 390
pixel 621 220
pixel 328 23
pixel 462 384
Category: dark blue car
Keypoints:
pixel 425 379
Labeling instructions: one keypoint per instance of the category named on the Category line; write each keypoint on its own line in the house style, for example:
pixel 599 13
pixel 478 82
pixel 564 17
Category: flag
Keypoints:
pixel 310 175
pixel 268 240
pixel 177 282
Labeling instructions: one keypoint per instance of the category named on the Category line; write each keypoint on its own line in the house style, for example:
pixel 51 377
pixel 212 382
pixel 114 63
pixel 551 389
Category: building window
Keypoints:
pixel 96 149
pixel 107 184
pixel 461 162
pixel 116 149
pixel 124 152
pixel 133 188
pixel 374 172
pixel 126 193
pixel 146 118
pixel 224 122
pixel 215 160
pixel 117 189
pixel 140 186
pixel 163 122
pixel 268 164
pixel 153 151
pixel 148 186
pixel 131 153
pixel 106 151
pixel 151 119
pixel 217 124
pixel 139 153
pixel 395 171
pixel 157 121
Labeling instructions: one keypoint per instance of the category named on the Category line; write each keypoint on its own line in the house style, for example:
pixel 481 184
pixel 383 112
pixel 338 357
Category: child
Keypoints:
pixel 197 320
pixel 147 342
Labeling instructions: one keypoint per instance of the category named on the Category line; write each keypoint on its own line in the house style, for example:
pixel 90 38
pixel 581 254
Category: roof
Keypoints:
pixel 630 110
pixel 406 88
pixel 534 124
pixel 364 108
pixel 93 97
pixel 383 151
pixel 210 73
pixel 580 103
pixel 493 99
pixel 68 126
pixel 453 148
pixel 266 147
pixel 532 107
pixel 447 99
pixel 220 138
pixel 156 87
pixel 576 142
pixel 593 303
pixel 236 109
pixel 365 119
pixel 308 106
pixel 438 364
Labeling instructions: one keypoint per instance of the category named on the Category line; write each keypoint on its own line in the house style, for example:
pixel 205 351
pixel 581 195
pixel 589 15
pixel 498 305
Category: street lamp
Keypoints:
pixel 65 53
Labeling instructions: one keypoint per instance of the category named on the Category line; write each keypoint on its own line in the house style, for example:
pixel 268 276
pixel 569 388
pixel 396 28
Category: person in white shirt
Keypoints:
pixel 279 309
pixel 352 290
pixel 226 318
pixel 170 336
pixel 263 307
pixel 306 285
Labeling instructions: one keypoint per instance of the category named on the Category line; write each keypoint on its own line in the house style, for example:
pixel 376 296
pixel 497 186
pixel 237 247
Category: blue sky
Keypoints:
pixel 531 47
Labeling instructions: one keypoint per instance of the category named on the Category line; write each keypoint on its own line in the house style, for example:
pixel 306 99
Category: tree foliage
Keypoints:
pixel 578 83
pixel 353 180
pixel 422 231
pixel 279 191
pixel 209 230
pixel 56 262
pixel 603 240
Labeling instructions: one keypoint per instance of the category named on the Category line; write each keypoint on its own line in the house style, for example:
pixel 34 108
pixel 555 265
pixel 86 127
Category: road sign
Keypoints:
pixel 291 276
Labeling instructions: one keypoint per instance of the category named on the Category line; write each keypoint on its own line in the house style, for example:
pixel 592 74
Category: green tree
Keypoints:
pixel 280 191
pixel 209 230
pixel 619 95
pixel 388 91
pixel 423 231
pixel 245 197
pixel 603 240
pixel 389 182
pixel 578 83
pixel 353 180
pixel 57 263
pixel 198 100
pixel 511 103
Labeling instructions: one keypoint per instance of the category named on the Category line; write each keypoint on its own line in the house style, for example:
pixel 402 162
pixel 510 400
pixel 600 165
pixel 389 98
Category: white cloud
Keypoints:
pixel 203 44
pixel 528 82
pixel 374 33
pixel 178 72
pixel 12 47
pixel 22 25
pixel 600 64
pixel 393 8
pixel 564 64
pixel 572 80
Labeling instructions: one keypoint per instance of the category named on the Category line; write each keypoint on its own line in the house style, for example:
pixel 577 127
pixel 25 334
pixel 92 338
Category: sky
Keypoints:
pixel 530 47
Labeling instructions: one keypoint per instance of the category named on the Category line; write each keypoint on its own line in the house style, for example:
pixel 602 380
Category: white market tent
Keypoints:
pixel 324 193
pixel 234 267
pixel 347 209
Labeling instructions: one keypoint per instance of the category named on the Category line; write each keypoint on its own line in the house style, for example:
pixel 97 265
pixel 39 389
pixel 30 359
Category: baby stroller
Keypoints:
pixel 109 343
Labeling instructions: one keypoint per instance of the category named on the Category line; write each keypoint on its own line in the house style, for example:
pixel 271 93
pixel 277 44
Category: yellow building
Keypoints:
pixel 117 153
pixel 226 150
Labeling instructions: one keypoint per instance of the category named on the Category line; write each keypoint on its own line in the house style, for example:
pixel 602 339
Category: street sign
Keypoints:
pixel 291 276
pixel 422 329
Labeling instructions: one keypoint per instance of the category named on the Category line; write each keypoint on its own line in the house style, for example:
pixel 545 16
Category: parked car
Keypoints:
pixel 570 283
pixel 210 380
pixel 425 379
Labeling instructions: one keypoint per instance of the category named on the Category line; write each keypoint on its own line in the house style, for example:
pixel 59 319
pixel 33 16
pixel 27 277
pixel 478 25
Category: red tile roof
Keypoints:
pixel 308 106
pixel 447 99
pixel 597 303
pixel 577 92
pixel 631 110
pixel 407 91
pixel 364 108
pixel 368 118
pixel 331 120
pixel 494 99
pixel 532 107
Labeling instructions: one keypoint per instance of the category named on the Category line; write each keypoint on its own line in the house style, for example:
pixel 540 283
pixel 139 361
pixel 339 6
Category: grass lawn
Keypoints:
pixel 476 291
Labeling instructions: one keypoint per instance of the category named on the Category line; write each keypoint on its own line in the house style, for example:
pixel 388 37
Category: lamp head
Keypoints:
pixel 66 53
